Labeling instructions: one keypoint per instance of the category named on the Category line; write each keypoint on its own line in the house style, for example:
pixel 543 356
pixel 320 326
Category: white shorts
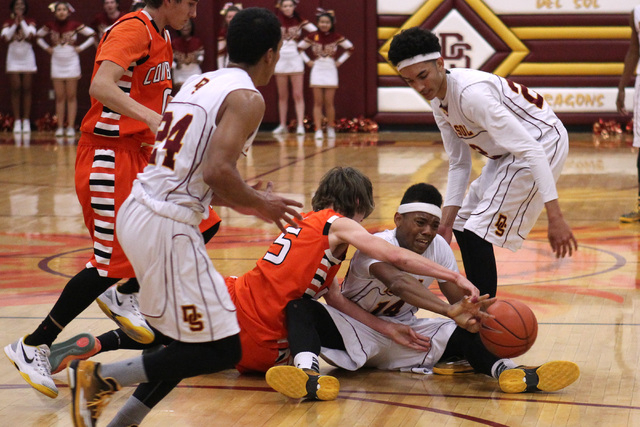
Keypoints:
pixel 366 347
pixel 636 114
pixel 503 203
pixel 181 293
pixel 21 58
pixel 290 61
pixel 324 73
pixel 65 63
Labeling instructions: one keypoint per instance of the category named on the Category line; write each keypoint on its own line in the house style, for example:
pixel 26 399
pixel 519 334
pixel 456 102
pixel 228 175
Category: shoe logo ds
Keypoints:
pixel 192 317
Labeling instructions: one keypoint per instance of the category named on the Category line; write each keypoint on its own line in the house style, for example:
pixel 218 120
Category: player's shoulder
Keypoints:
pixel 439 250
pixel 132 22
pixel 388 235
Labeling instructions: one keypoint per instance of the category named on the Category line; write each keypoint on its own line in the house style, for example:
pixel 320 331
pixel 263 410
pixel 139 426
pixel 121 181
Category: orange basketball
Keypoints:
pixel 513 330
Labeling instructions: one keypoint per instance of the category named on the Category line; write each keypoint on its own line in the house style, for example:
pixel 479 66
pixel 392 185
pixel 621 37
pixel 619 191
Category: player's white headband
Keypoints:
pixel 420 207
pixel 418 58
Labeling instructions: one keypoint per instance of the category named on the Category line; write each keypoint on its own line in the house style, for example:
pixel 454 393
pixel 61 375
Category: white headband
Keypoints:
pixel 420 207
pixel 418 58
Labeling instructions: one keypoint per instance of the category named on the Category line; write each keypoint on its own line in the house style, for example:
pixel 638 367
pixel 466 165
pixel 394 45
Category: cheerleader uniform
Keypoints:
pixel 290 61
pixel 324 48
pixel 63 36
pixel 20 55
pixel 183 47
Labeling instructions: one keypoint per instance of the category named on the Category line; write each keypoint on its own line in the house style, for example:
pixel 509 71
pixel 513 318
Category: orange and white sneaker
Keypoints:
pixel 298 383
pixel 90 393
pixel 33 364
pixel 552 376
pixel 80 347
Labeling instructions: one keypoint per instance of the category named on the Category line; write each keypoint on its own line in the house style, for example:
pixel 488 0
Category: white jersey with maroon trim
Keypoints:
pixel 372 295
pixel 174 173
pixel 496 117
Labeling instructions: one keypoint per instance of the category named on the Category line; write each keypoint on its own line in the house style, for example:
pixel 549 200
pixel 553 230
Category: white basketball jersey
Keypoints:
pixel 372 295
pixel 497 117
pixel 174 173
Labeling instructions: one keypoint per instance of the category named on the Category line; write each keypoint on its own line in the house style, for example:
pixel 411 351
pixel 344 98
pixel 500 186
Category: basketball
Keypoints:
pixel 512 331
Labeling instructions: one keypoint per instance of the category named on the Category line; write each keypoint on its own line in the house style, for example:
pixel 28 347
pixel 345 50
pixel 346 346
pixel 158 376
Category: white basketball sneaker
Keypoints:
pixel 33 364
pixel 123 309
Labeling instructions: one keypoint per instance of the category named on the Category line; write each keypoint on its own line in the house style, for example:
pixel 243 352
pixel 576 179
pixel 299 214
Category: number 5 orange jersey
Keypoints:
pixel 298 263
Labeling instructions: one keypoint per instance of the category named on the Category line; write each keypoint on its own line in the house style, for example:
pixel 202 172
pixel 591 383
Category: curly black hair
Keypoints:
pixel 412 42
pixel 422 193
pixel 252 32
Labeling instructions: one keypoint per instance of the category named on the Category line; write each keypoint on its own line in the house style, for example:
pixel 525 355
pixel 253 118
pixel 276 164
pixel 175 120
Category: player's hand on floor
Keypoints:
pixel 404 335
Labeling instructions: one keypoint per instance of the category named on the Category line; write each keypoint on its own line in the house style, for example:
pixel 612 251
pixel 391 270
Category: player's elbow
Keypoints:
pixel 211 177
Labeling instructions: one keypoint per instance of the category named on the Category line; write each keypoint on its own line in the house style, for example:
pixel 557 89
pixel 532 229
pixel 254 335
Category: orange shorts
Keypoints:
pixel 257 355
pixel 105 171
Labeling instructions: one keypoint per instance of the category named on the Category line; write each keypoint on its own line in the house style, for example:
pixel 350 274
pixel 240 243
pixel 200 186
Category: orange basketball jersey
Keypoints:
pixel 298 263
pixel 144 51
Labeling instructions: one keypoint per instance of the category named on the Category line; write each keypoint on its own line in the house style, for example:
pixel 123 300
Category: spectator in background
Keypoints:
pixel 228 11
pixel 137 5
pixel 323 79
pixel 19 32
pixel 630 68
pixel 62 35
pixel 106 18
pixel 290 66
pixel 188 53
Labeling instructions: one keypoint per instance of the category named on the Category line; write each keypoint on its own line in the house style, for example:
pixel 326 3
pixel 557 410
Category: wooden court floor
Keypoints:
pixel 588 306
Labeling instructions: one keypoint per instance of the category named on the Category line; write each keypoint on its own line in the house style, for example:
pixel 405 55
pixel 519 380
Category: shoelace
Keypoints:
pixel 134 306
pixel 42 360
pixel 100 401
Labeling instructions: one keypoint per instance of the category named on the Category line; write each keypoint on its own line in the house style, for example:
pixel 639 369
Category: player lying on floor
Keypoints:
pixel 394 295
pixel 304 261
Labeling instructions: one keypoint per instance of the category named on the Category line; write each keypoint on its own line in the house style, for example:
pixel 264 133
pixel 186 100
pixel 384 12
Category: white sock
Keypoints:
pixel 500 366
pixel 306 360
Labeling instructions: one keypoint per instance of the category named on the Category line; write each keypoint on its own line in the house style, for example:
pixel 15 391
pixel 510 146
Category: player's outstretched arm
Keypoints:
pixel 468 313
pixel 348 231
pixel 399 333
pixel 239 116
pixel 408 288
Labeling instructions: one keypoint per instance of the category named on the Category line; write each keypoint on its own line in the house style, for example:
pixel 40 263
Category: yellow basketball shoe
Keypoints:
pixel 552 376
pixel 298 383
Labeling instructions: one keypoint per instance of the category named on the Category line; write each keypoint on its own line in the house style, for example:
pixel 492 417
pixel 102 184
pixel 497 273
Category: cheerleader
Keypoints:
pixel 21 62
pixel 62 36
pixel 228 12
pixel 323 79
pixel 188 54
pixel 290 66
